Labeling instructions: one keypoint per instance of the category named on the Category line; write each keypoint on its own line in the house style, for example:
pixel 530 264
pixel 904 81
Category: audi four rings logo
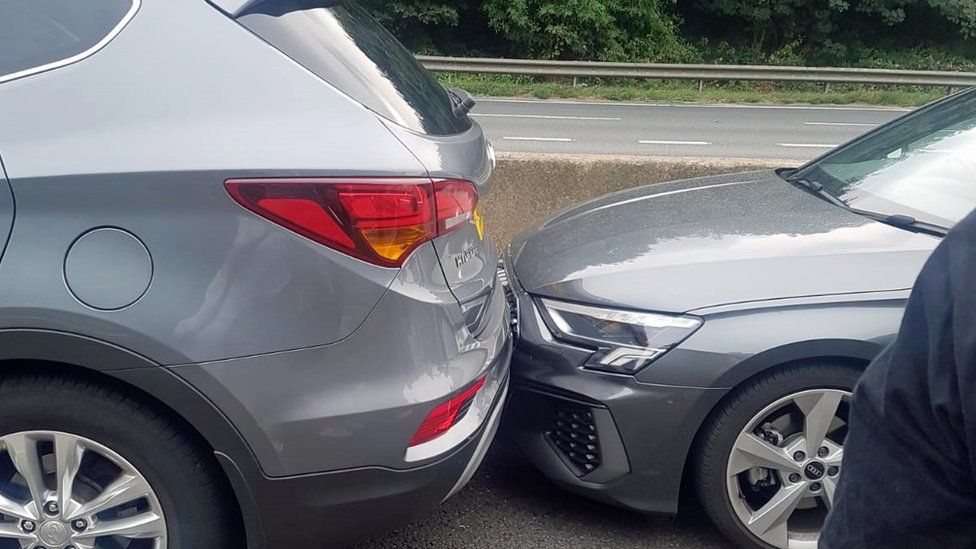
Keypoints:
pixel 814 470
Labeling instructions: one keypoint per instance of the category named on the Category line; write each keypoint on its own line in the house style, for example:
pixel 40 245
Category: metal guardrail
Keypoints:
pixel 702 73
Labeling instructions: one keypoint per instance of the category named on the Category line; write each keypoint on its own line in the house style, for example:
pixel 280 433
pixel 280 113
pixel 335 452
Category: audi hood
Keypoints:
pixel 687 245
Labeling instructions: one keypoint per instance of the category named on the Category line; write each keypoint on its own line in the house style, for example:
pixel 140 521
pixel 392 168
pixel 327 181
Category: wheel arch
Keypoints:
pixel 854 354
pixel 28 351
pixel 846 350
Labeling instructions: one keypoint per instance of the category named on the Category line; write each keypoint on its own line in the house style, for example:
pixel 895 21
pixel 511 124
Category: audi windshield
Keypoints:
pixel 922 165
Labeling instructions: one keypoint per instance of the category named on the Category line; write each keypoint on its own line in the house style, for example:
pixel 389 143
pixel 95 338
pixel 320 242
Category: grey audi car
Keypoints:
pixel 246 298
pixel 707 334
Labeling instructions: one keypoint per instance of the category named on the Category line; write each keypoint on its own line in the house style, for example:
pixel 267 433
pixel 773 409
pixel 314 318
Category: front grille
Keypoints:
pixel 575 437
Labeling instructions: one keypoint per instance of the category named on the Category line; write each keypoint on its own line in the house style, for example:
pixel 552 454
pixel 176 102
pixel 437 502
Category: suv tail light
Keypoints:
pixel 381 221
pixel 446 415
pixel 456 201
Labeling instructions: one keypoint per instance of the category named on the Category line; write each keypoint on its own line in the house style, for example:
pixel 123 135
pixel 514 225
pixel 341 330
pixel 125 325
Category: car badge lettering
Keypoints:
pixel 465 256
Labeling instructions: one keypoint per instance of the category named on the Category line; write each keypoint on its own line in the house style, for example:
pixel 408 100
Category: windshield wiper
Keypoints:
pixel 901 221
pixel 818 189
pixel 906 222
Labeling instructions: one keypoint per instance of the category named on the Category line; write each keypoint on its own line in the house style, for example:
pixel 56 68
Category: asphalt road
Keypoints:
pixel 509 505
pixel 651 129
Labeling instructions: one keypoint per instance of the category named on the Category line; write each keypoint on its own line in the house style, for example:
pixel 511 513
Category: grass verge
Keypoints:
pixel 687 92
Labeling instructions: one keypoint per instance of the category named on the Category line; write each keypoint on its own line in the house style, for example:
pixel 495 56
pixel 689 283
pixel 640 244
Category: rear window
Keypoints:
pixel 342 44
pixel 36 35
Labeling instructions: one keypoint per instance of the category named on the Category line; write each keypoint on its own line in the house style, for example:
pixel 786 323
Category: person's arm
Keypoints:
pixel 908 474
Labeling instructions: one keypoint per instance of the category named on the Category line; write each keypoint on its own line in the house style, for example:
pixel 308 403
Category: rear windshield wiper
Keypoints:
pixel 461 101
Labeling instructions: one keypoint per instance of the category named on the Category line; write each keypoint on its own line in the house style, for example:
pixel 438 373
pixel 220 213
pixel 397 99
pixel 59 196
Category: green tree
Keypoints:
pixel 831 31
pixel 960 12
pixel 587 29
pixel 769 25
pixel 875 33
pixel 402 15
pixel 423 25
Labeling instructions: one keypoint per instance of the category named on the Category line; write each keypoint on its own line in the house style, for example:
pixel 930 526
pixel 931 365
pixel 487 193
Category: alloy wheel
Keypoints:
pixel 63 491
pixel 783 469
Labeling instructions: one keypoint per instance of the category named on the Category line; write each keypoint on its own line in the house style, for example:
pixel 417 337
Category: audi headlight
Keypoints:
pixel 625 341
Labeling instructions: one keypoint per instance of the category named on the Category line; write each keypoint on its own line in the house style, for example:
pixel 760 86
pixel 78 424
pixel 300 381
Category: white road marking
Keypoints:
pixel 656 142
pixel 693 105
pixel 545 139
pixel 546 117
pixel 840 124
pixel 808 145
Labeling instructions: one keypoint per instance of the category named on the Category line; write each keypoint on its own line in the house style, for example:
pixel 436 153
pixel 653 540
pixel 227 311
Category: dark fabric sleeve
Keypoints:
pixel 908 473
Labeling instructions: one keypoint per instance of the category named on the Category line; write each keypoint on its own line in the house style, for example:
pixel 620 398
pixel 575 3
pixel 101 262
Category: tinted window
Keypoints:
pixel 34 33
pixel 923 165
pixel 344 45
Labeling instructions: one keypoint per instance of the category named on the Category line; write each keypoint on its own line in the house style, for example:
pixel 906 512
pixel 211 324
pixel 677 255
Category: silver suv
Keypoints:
pixel 246 297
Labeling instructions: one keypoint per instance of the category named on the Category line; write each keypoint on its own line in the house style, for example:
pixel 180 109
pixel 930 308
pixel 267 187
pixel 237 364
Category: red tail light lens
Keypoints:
pixel 381 221
pixel 445 416
pixel 456 203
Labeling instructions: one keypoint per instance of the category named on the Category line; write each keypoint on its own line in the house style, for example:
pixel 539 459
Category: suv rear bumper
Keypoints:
pixel 345 506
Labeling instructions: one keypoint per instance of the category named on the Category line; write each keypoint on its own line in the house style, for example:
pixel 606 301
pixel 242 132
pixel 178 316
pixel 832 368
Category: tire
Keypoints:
pixel 108 427
pixel 717 486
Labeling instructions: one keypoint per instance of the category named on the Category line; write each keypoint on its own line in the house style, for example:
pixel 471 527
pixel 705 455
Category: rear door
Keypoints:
pixel 6 209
